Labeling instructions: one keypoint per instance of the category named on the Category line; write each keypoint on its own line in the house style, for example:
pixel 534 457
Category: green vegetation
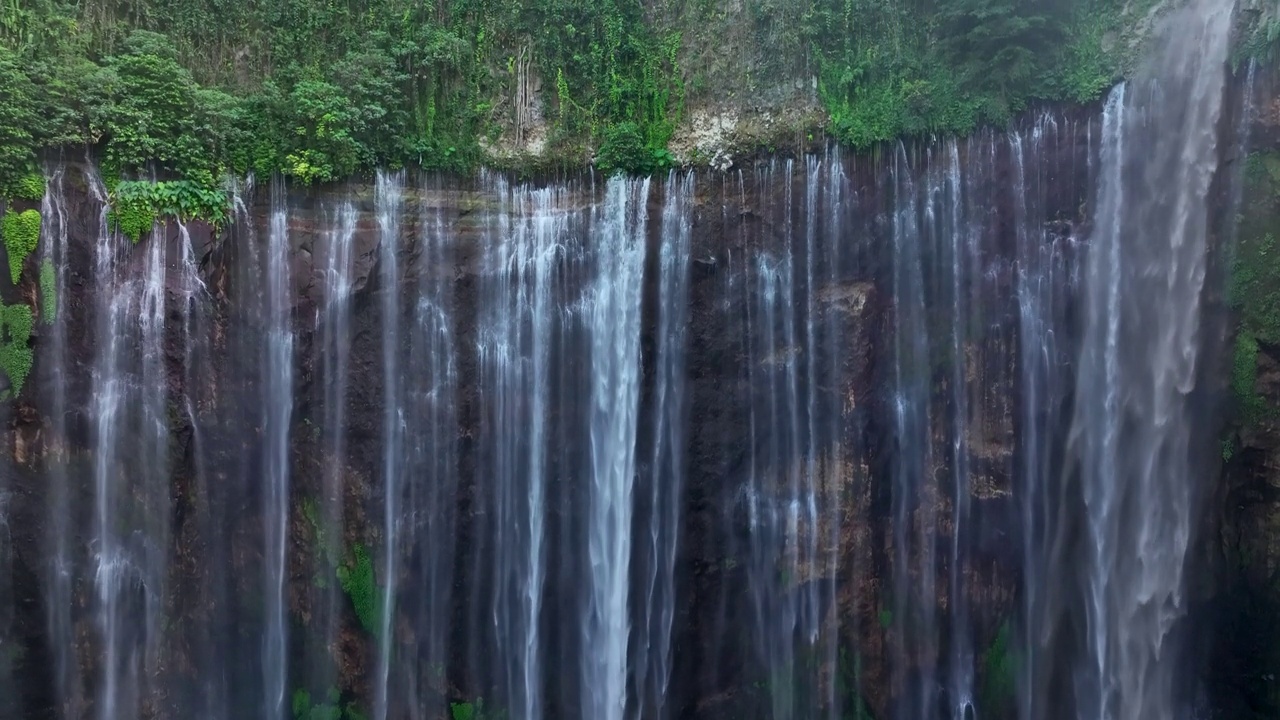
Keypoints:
pixel 319 91
pixel 186 90
pixel 21 232
pixel 132 222
pixel 1260 38
pixel 136 205
pixel 354 573
pixel 327 708
pixel 28 187
pixel 1251 407
pixel 357 580
pixel 889 70
pixel 999 674
pixel 472 711
pixel 849 686
pixel 328 548
pixel 48 292
pixel 1254 288
pixel 15 347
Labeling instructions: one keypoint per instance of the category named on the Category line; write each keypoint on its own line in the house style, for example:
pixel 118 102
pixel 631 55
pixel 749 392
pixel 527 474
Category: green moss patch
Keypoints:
pixel 15 347
pixel 357 580
pixel 21 231
pixel 48 292
pixel 327 708
pixel 28 187
pixel 999 674
pixel 137 204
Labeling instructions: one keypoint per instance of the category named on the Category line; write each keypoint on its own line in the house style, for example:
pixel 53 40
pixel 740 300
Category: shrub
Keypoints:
pixel 28 187
pixel 15 350
pixel 624 151
pixel 21 231
pixel 137 204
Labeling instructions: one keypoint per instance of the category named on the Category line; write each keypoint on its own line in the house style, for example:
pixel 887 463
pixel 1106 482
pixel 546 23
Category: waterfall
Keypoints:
pixel 62 569
pixel 1046 286
pixel 666 461
pixel 388 198
pixel 963 260
pixel 107 401
pixel 911 436
pixel 229 496
pixel 131 480
pixel 1136 437
pixel 613 320
pixel 777 463
pixel 327 513
pixel 830 469
pixel 524 244
pixel 915 496
pixel 277 396
pixel 431 433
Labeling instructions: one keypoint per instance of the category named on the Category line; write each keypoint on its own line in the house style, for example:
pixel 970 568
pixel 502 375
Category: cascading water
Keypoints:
pixel 326 512
pixel 613 322
pixel 666 462
pixel 785 443
pixel 915 496
pixel 131 481
pixel 775 475
pixel 525 243
pixel 962 251
pixel 1136 437
pixel 388 198
pixel 1047 277
pixel 277 396
pixel 431 421
pixel 62 569
pixel 785 299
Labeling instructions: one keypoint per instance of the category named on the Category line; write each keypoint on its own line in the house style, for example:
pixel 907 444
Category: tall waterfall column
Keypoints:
pixel 278 399
pixel 1136 440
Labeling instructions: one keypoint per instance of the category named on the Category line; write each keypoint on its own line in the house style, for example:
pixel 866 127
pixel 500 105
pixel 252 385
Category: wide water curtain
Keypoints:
pixel 925 433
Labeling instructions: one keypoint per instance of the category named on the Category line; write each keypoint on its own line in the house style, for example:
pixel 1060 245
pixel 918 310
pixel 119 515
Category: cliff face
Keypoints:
pixel 768 456
pixel 1243 660
pixel 363 440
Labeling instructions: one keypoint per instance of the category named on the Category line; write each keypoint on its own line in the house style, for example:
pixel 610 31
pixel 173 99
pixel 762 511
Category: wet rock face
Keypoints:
pixel 793 369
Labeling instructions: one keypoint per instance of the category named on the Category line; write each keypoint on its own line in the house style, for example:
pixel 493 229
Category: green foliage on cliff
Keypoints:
pixel 1254 286
pixel 888 70
pixel 1250 406
pixel 329 707
pixel 136 205
pixel 48 292
pixel 357 580
pixel 849 686
pixel 15 347
pixel 29 187
pixel 1260 36
pixel 21 233
pixel 132 221
pixel 191 90
pixel 473 711
pixel 999 674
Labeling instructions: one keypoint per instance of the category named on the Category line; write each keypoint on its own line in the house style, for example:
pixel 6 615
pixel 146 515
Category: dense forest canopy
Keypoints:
pixel 321 89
